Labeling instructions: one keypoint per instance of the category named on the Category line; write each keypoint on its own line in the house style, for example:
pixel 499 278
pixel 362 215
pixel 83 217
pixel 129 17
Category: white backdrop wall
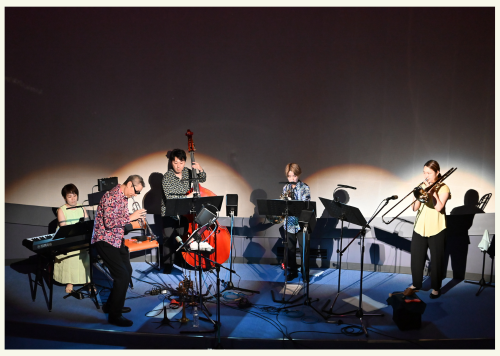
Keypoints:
pixel 356 96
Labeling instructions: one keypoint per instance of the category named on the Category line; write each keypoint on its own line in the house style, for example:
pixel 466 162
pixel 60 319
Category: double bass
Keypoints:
pixel 218 236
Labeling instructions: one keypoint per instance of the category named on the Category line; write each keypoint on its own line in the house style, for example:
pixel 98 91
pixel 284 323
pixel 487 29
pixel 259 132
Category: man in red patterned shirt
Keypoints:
pixel 110 223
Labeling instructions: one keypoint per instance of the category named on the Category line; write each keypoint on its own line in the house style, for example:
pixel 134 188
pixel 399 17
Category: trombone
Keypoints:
pixel 420 194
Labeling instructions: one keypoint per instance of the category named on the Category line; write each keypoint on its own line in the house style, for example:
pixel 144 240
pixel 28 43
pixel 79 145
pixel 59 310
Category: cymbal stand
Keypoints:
pixel 359 312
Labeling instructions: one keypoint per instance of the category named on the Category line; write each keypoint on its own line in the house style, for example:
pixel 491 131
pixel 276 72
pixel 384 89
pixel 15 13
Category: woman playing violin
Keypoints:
pixel 176 185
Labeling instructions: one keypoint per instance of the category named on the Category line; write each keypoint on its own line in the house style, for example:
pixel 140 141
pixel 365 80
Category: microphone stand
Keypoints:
pixel 330 312
pixel 359 313
pixel 217 324
pixel 200 270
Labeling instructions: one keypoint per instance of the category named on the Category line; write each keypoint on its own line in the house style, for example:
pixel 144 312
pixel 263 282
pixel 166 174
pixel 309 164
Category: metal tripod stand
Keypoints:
pixel 230 285
pixel 352 214
pixel 307 220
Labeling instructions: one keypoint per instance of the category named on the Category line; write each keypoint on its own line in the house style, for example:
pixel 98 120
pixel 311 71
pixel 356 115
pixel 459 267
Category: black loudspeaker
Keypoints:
pixel 407 311
pixel 105 184
pixel 231 204
pixel 95 198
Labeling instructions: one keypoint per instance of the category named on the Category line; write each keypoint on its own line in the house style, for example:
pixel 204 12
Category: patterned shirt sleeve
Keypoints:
pixel 305 192
pixel 112 215
pixel 202 176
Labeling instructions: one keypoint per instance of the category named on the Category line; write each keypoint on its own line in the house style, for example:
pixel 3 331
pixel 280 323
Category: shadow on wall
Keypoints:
pixel 256 224
pixel 152 199
pixel 52 227
pixel 256 227
pixel 377 256
pixel 152 203
pixel 458 224
pixel 329 230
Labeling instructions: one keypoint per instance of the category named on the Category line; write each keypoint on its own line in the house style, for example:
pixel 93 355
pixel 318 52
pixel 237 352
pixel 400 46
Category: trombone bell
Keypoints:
pixel 421 195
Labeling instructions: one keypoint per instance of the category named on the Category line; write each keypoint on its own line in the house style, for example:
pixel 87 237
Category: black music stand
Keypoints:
pixel 351 215
pixel 232 211
pixel 184 206
pixel 285 208
pixel 307 221
pixel 482 283
pixel 195 205
pixel 86 227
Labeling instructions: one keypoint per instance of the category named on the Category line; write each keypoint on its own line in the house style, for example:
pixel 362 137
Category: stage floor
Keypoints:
pixel 458 319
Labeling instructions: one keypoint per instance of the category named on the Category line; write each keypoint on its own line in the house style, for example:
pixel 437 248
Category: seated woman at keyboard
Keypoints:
pixel 72 267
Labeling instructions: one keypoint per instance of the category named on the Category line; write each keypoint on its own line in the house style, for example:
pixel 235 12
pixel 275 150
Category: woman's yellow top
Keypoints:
pixel 429 221
pixel 72 216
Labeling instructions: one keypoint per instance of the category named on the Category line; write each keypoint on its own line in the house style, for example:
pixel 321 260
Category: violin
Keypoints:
pixel 217 236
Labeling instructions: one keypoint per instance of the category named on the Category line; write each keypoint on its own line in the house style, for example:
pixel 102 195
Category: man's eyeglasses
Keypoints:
pixel 135 191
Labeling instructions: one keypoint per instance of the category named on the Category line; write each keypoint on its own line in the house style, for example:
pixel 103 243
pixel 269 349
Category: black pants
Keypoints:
pixel 171 229
pixel 118 262
pixel 292 251
pixel 419 245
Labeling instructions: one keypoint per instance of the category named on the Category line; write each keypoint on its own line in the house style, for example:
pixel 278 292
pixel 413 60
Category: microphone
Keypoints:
pixel 345 186
pixel 394 197
pixel 178 239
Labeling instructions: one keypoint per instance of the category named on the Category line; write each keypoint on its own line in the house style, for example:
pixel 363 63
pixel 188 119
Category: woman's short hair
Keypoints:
pixel 69 189
pixel 294 167
pixel 177 152
pixel 432 164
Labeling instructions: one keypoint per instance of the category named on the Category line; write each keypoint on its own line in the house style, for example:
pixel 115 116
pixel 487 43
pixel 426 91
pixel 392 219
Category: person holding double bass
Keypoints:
pixel 176 185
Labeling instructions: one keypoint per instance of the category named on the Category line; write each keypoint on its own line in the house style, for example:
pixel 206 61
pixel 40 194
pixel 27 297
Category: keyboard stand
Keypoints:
pixel 44 264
